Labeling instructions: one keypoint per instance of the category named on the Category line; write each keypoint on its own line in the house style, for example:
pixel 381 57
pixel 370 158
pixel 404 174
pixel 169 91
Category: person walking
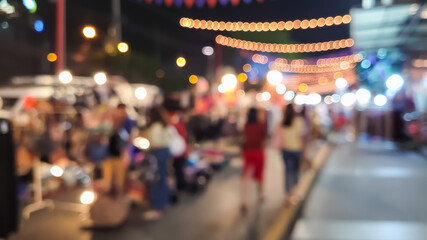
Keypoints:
pixel 253 154
pixel 180 162
pixel 292 138
pixel 158 136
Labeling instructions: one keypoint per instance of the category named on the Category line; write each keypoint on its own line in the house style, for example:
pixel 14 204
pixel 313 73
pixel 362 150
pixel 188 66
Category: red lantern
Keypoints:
pixel 149 1
pixel 234 2
pixel 212 3
pixel 168 3
pixel 189 3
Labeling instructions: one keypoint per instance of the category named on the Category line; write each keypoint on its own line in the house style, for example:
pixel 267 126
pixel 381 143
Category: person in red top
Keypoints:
pixel 253 154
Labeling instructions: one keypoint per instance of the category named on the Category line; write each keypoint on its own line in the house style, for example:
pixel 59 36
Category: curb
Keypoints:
pixel 283 226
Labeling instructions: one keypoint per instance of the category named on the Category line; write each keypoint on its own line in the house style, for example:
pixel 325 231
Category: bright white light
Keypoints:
pixel 65 77
pixel 140 93
pixel 142 143
pixel 274 77
pixel 336 98
pixel 328 100
pixel 313 99
pixel 380 100
pixel 266 96
pixel 341 83
pixel 363 96
pixel 56 171
pixel 30 4
pixel 289 95
pixel 87 197
pixel 300 99
pixel 229 81
pixel 394 82
pixel 222 88
pixel 280 88
pixel 100 78
pixel 207 51
pixel 348 99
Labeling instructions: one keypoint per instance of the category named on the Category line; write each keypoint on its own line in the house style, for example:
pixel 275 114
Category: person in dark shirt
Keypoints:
pixel 253 154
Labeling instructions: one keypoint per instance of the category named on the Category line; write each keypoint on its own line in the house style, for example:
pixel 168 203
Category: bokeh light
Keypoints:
pixel 207 51
pixel 141 143
pixel 100 78
pixel 395 82
pixel 247 67
pixel 193 79
pixel 89 32
pixel 51 57
pixel 38 26
pixel 242 77
pixel 87 197
pixel 65 77
pixel 341 83
pixel 280 88
pixel 56 171
pixel 303 87
pixel 123 47
pixel 140 93
pixel 289 95
pixel 274 77
pixel 266 96
pixel 380 100
pixel 181 62
pixel 348 99
pixel 363 96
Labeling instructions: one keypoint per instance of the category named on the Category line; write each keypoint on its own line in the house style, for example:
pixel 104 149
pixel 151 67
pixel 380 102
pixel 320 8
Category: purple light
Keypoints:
pixel 223 2
pixel 178 3
pixel 200 3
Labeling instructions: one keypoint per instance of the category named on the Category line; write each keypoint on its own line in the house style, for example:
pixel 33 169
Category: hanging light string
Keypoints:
pixel 262 59
pixel 301 66
pixel 284 48
pixel 264 26
pixel 319 82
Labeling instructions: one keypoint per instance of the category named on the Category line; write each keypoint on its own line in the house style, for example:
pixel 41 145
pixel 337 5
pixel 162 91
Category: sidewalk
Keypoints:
pixel 366 192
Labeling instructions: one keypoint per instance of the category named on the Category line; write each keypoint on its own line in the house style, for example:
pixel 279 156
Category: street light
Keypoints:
pixel 100 78
pixel 123 47
pixel 181 62
pixel 89 32
pixel 65 77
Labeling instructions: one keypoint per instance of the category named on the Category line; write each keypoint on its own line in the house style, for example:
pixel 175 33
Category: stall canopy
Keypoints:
pixel 396 26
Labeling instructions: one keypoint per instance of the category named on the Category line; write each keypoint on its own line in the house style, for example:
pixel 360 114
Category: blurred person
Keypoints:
pixel 114 166
pixel 254 133
pixel 292 143
pixel 24 165
pixel 180 162
pixel 158 136
pixel 77 141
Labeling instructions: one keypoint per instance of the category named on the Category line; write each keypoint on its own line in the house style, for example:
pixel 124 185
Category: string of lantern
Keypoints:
pixel 321 62
pixel 199 3
pixel 264 26
pixel 284 48
pixel 319 83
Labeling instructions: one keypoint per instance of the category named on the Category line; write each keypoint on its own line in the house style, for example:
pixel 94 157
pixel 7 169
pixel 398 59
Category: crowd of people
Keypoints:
pixel 102 139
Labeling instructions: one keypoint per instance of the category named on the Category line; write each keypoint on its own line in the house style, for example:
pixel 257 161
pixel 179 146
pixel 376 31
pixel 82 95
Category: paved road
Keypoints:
pixel 367 192
pixel 213 214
